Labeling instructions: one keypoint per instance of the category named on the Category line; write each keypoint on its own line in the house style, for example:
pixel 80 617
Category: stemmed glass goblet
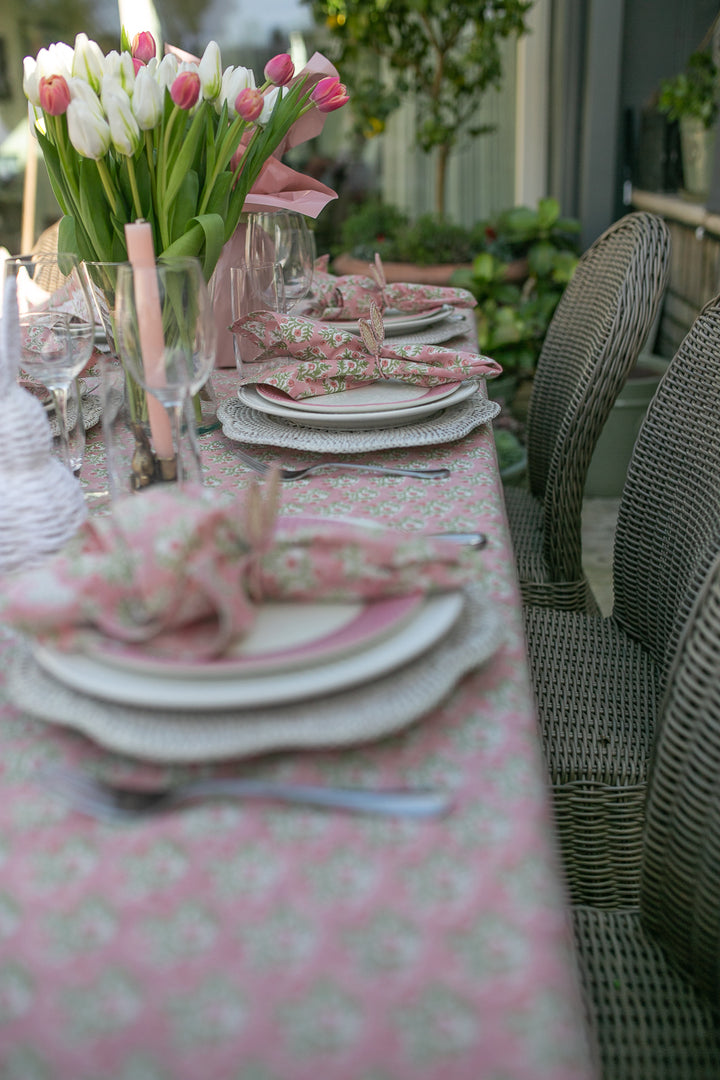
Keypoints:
pixel 283 236
pixel 57 330
pixel 166 341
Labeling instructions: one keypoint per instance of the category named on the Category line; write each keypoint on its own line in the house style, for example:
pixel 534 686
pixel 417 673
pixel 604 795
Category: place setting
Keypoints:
pixel 181 630
pixel 412 313
pixel 315 387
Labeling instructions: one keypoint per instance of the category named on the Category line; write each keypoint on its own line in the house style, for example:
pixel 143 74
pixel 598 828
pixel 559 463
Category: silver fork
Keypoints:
pixel 110 803
pixel 348 466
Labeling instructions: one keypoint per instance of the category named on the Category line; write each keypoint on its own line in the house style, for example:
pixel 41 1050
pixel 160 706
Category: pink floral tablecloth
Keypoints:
pixel 242 941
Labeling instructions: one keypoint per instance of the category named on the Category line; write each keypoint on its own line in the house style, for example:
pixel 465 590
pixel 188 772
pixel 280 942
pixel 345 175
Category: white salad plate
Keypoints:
pixel 399 636
pixel 386 395
pixel 395 322
pixel 362 419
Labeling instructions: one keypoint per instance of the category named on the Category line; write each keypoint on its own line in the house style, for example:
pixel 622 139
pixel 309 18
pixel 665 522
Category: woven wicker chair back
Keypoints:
pixel 668 530
pixel 597 331
pixel 680 884
pixel 47 244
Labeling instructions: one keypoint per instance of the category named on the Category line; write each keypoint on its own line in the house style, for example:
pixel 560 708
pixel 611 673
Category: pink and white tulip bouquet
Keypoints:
pixel 177 143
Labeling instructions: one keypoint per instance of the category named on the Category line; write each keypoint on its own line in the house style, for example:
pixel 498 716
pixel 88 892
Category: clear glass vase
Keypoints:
pixel 102 281
pixel 131 461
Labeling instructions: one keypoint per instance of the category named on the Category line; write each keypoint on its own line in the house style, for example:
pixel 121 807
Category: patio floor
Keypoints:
pixel 599 518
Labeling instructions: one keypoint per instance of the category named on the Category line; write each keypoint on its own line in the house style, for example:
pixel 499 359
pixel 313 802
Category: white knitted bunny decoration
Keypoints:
pixel 41 502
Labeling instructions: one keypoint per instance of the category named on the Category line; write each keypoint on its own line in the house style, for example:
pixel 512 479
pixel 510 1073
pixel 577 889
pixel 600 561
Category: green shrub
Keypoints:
pixel 372 228
pixel 513 316
pixel 432 240
pixel 693 92
pixel 508 447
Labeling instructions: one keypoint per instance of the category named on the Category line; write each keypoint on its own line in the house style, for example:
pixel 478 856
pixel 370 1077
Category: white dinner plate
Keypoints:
pixel 413 634
pixel 395 322
pixel 278 640
pixel 383 418
pixel 386 395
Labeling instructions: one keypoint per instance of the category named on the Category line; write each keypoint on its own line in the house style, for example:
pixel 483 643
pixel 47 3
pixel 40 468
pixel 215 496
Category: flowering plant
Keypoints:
pixel 177 143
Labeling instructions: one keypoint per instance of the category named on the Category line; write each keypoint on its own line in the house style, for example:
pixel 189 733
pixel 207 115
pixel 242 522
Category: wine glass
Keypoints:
pixel 256 285
pixel 57 330
pixel 166 340
pixel 283 235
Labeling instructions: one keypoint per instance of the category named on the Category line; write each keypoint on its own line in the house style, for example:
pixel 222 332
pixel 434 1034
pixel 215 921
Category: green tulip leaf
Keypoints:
pixel 203 238
pixel 185 206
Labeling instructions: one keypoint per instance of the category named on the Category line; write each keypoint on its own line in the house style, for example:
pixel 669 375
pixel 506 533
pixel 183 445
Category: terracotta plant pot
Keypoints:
pixel 395 271
pixel 438 274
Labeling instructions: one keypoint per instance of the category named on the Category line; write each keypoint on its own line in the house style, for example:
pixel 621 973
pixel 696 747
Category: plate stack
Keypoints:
pixel 381 404
pixel 307 676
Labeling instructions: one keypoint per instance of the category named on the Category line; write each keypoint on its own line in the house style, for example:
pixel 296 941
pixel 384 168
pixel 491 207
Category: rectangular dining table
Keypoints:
pixel 253 941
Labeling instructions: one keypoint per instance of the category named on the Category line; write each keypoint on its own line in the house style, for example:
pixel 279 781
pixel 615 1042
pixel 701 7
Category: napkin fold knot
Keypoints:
pixel 307 358
pixel 185 573
pixel 349 296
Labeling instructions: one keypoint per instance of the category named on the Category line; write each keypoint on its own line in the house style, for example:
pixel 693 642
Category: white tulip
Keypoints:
pixel 83 92
pixel 167 71
pixel 269 104
pixel 127 72
pixel 119 66
pixel 233 81
pixel 55 60
pixel 147 100
pixel 36 120
pixel 124 130
pixel 111 65
pixel 89 133
pixel 211 71
pixel 88 61
pixel 31 80
pixel 112 87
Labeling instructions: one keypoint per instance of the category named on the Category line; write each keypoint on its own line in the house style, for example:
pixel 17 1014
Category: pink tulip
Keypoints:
pixel 329 94
pixel 185 89
pixel 137 64
pixel 280 69
pixel 54 94
pixel 143 47
pixel 249 104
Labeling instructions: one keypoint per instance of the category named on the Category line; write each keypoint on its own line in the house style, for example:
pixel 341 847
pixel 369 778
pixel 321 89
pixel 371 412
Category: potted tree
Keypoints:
pixel 691 99
pixel 447 54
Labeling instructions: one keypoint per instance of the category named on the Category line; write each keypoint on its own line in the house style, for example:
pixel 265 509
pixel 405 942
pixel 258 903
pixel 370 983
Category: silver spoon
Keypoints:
pixel 349 466
pixel 107 802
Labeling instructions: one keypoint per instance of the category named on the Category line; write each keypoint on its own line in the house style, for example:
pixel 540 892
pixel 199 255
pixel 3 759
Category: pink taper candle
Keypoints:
pixel 141 255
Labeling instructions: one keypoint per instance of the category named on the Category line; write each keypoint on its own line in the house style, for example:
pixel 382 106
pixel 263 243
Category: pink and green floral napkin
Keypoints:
pixel 349 297
pixel 165 560
pixel 306 358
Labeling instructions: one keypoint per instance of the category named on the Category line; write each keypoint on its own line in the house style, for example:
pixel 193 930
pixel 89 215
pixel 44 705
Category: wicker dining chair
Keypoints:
pixel 598 681
pixel 592 343
pixel 651 975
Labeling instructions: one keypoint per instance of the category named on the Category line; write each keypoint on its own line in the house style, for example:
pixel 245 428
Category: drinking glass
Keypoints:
pixel 256 285
pixel 57 329
pixel 166 340
pixel 75 431
pixel 101 279
pixel 284 236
